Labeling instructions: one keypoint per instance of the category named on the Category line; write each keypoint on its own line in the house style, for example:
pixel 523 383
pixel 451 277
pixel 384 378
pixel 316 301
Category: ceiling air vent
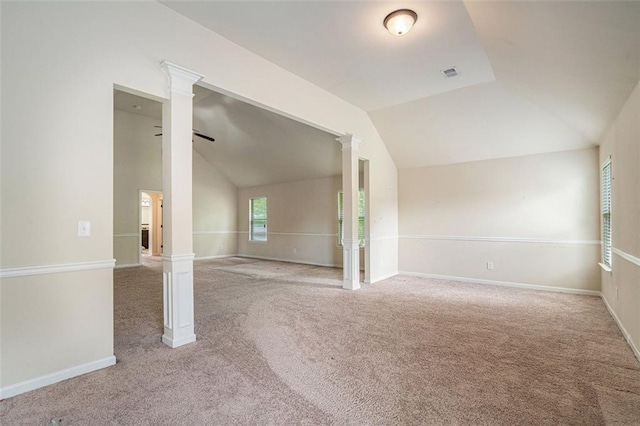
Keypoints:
pixel 450 72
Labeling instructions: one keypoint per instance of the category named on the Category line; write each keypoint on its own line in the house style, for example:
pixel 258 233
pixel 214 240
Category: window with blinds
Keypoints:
pixel 605 189
pixel 360 218
pixel 258 219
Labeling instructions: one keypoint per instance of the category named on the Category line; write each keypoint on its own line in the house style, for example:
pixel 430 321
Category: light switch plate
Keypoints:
pixel 84 228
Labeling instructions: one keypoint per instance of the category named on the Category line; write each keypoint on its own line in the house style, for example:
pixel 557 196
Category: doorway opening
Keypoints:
pixel 137 220
pixel 365 250
pixel 150 234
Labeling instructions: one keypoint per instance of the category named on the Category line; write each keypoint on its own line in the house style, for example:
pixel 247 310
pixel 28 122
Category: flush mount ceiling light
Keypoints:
pixel 400 22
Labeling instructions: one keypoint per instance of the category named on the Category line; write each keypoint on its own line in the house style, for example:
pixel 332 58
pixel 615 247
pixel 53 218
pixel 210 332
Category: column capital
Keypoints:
pixel 181 79
pixel 349 141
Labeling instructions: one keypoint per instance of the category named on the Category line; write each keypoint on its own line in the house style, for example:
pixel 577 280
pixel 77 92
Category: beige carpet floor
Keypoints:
pixel 282 343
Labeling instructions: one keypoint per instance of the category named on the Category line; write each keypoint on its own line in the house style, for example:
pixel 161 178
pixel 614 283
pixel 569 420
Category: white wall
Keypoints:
pixel 534 217
pixel 302 222
pixel 60 61
pixel 621 287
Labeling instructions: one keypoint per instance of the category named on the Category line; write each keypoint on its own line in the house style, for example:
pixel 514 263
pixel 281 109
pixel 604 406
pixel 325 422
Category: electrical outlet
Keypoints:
pixel 295 250
pixel 490 266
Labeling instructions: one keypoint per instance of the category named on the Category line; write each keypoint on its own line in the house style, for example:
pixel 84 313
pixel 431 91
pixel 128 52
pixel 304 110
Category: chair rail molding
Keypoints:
pixel 626 256
pixel 56 268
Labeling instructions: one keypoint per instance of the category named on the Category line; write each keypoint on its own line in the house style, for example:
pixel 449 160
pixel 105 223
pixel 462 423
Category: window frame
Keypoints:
pixel 252 219
pixel 362 207
pixel 606 235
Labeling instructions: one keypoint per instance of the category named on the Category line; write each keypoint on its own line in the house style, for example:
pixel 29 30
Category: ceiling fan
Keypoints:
pixel 195 133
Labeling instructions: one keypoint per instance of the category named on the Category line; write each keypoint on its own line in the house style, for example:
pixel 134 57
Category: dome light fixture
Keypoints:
pixel 400 22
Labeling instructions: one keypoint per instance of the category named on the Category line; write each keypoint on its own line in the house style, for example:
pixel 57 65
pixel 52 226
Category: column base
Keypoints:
pixel 350 285
pixel 350 265
pixel 174 343
pixel 177 286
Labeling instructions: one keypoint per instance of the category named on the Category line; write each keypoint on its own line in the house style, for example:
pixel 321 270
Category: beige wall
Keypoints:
pixel 43 318
pixel 534 217
pixel 138 166
pixel 621 286
pixel 57 145
pixel 137 156
pixel 302 222
pixel 215 211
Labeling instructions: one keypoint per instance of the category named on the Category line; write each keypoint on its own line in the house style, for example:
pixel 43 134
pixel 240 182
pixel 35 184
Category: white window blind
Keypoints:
pixel 361 218
pixel 258 219
pixel 606 213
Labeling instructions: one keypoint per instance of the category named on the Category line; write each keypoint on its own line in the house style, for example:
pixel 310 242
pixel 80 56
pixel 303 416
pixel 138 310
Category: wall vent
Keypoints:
pixel 450 72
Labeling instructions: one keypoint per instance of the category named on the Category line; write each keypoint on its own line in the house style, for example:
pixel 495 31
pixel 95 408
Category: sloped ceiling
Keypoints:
pixel 252 147
pixel 475 123
pixel 534 76
pixel 256 147
pixel 343 47
pixel 578 60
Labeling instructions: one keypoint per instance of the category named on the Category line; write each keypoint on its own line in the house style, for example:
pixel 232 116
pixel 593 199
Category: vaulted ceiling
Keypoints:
pixel 534 76
pixel 256 147
pixel 253 146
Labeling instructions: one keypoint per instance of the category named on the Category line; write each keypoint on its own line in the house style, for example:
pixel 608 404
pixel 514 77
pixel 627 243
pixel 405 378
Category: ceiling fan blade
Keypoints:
pixel 159 127
pixel 209 138
pixel 159 134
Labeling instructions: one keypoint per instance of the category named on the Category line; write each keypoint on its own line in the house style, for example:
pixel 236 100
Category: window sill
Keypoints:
pixel 604 267
pixel 258 241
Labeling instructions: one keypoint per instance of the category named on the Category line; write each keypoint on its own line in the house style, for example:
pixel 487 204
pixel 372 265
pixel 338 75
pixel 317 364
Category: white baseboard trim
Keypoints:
pixel 177 343
pixel 496 239
pixel 218 256
pixel 277 259
pixel 381 277
pixel 55 269
pixel 58 376
pixel 128 265
pixel 505 283
pixel 626 335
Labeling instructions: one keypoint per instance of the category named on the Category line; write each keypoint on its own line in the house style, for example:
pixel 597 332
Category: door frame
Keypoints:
pixel 152 216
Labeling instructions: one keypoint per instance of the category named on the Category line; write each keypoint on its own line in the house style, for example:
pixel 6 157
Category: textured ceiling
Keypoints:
pixel 535 76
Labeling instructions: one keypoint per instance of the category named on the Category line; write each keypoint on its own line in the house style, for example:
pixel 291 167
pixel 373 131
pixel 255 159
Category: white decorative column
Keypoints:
pixel 177 257
pixel 350 246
